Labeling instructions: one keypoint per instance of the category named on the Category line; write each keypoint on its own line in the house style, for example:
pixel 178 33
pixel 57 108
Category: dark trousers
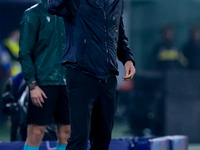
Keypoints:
pixel 92 105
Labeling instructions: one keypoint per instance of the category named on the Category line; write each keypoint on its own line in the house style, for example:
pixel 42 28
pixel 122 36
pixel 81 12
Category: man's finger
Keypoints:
pixel 36 102
pixel 44 95
pixel 127 71
pixel 39 102
pixel 41 99
pixel 130 74
pixel 128 77
pixel 33 101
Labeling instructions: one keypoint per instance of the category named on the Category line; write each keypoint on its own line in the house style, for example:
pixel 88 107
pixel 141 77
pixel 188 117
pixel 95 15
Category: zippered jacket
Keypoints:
pixel 42 38
pixel 95 35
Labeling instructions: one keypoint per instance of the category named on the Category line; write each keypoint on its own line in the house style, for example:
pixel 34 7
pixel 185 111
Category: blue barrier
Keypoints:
pixel 161 143
pixel 137 143
pixel 45 145
pixel 118 144
pixel 178 142
pixel 141 143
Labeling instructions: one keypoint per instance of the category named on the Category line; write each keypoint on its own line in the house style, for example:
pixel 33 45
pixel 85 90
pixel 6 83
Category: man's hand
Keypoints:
pixel 129 70
pixel 37 96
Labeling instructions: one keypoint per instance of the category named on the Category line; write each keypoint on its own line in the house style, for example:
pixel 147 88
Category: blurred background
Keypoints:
pixel 164 96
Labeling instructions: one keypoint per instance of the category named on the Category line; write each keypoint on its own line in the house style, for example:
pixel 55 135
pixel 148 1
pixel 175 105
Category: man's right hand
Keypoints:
pixel 37 96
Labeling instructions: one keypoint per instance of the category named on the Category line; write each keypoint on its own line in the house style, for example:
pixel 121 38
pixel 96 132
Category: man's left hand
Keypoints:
pixel 129 70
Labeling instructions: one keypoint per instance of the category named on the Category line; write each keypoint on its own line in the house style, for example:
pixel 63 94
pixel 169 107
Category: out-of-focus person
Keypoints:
pixel 11 45
pixel 191 49
pixel 166 55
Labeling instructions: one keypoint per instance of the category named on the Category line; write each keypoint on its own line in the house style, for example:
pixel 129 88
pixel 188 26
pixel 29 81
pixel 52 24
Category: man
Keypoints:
pixel 95 37
pixel 41 45
pixel 191 49
pixel 166 54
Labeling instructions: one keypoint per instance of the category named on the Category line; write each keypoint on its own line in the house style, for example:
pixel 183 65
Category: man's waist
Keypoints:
pixel 103 76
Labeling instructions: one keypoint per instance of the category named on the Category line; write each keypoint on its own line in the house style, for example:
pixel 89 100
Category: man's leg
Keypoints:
pixel 103 116
pixel 39 117
pixel 82 93
pixel 34 137
pixel 61 116
pixel 63 133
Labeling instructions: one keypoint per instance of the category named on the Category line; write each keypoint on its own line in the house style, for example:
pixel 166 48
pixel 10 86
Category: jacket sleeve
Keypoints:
pixel 61 8
pixel 124 53
pixel 28 34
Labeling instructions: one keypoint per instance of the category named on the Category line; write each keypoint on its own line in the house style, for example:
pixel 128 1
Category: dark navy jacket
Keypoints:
pixel 95 35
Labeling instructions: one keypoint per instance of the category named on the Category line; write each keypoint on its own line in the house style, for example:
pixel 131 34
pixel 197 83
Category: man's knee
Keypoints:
pixel 63 133
pixel 35 130
pixel 35 135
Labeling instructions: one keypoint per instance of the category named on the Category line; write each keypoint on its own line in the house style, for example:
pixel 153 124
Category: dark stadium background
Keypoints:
pixel 143 22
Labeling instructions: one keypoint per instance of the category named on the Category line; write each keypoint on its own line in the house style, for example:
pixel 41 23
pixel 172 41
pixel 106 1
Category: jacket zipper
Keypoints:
pixel 105 29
